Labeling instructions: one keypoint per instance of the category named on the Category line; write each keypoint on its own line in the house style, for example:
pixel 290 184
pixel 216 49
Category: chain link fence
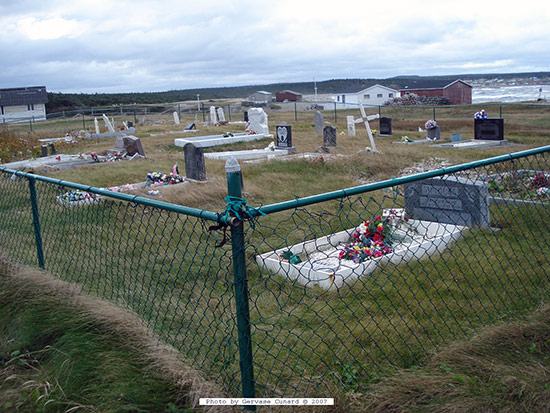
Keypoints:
pixel 316 296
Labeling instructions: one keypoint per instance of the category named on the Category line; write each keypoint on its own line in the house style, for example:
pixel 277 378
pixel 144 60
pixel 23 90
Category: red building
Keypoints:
pixel 288 95
pixel 457 91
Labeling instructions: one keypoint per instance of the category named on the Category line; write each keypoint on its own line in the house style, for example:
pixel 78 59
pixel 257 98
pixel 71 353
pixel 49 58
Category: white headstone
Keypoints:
pixel 213 116
pixel 351 125
pixel 96 126
pixel 108 124
pixel 257 119
pixel 221 115
pixel 176 118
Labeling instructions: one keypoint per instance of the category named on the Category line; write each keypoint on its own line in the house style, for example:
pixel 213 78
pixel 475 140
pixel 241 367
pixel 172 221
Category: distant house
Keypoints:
pixel 23 104
pixel 457 91
pixel 372 95
pixel 260 96
pixel 288 95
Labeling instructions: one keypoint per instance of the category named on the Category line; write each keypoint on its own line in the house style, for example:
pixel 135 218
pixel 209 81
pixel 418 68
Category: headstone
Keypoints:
pixel 246 116
pixel 130 124
pixel 96 126
pixel 108 124
pixel 456 137
pixel 52 148
pixel 176 118
pixel 491 129
pixel 213 116
pixel 284 136
pixel 385 126
pixel 351 125
pixel 329 136
pixel 44 149
pixel 319 122
pixel 142 122
pixel 449 200
pixel 434 133
pixel 190 126
pixel 257 121
pixel 194 162
pixel 132 145
pixel 221 116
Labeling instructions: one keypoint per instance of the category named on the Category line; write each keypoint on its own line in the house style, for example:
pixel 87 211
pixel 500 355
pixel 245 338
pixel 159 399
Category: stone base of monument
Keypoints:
pixel 249 154
pixel 472 143
pixel 216 140
pixel 321 266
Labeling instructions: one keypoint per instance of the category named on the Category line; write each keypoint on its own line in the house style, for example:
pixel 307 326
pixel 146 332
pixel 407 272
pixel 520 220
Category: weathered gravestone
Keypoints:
pixel 489 129
pixel 96 126
pixel 194 162
pixel 245 116
pixel 448 200
pixel 221 116
pixel 434 133
pixel 213 115
pixel 329 136
pixel 385 126
pixel 132 145
pixel 351 125
pixel 190 126
pixel 176 118
pixel 108 123
pixel 284 136
pixel 319 122
pixel 257 119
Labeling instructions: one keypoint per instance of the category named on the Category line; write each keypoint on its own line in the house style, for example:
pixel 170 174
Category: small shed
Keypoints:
pixel 371 95
pixel 23 104
pixel 288 95
pixel 260 96
pixel 457 91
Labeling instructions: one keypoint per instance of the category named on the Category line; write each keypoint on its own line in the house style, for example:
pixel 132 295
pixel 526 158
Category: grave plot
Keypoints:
pixel 472 144
pixel 224 139
pixel 340 258
pixel 76 198
pixel 522 187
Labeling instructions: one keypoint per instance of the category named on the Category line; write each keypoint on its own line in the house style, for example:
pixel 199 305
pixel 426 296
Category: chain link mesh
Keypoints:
pixel 320 324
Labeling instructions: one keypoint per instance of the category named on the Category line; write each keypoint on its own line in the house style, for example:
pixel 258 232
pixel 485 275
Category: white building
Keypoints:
pixel 372 95
pixel 23 104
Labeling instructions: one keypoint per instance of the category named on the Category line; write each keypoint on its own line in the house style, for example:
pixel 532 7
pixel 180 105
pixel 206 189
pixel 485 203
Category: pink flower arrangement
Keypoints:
pixel 372 239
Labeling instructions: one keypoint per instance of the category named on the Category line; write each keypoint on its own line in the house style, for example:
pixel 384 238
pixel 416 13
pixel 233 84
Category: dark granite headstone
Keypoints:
pixel 191 126
pixel 246 116
pixel 329 136
pixel 489 129
pixel 130 124
pixel 434 133
pixel 132 145
pixel 448 200
pixel 385 126
pixel 44 149
pixel 52 148
pixel 284 136
pixel 194 162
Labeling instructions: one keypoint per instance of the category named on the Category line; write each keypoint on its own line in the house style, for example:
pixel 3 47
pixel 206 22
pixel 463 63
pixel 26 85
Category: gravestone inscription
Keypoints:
pixel 194 162
pixel 448 200
pixel 489 129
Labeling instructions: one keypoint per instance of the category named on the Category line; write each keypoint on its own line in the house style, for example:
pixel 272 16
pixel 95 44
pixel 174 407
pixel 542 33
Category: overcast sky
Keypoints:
pixel 143 46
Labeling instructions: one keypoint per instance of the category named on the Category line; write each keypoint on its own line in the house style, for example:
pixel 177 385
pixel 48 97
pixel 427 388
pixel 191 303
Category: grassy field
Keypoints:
pixel 306 341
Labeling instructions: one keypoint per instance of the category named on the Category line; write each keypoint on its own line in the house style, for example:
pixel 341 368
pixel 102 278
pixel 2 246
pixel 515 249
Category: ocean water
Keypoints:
pixel 510 93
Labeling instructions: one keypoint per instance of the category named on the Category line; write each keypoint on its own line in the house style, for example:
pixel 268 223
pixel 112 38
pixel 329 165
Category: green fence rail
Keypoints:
pixel 317 296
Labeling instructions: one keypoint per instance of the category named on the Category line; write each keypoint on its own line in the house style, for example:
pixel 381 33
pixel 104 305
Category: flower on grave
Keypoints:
pixel 480 115
pixel 76 195
pixel 228 135
pixel 372 239
pixel 431 124
pixel 540 180
pixel 94 156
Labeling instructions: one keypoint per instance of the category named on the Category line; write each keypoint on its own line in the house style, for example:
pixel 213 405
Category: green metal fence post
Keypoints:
pixel 234 182
pixel 335 116
pixel 295 111
pixel 434 112
pixel 36 223
pixel 229 112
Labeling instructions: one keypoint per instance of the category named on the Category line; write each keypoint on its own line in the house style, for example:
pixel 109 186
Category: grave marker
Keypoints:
pixel 108 123
pixel 194 162
pixel 96 126
pixel 221 116
pixel 385 126
pixel 132 145
pixel 213 116
pixel 257 121
pixel 319 122
pixel 489 129
pixel 176 118
pixel 329 136
pixel 284 136
pixel 448 200
pixel 351 125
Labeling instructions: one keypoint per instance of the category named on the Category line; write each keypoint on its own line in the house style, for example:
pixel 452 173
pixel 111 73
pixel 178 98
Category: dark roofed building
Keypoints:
pixel 287 95
pixel 23 104
pixel 457 91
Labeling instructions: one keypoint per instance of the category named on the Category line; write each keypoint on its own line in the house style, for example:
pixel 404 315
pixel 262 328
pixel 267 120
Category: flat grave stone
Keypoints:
pixel 471 144
pixel 449 200
pixel 215 140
